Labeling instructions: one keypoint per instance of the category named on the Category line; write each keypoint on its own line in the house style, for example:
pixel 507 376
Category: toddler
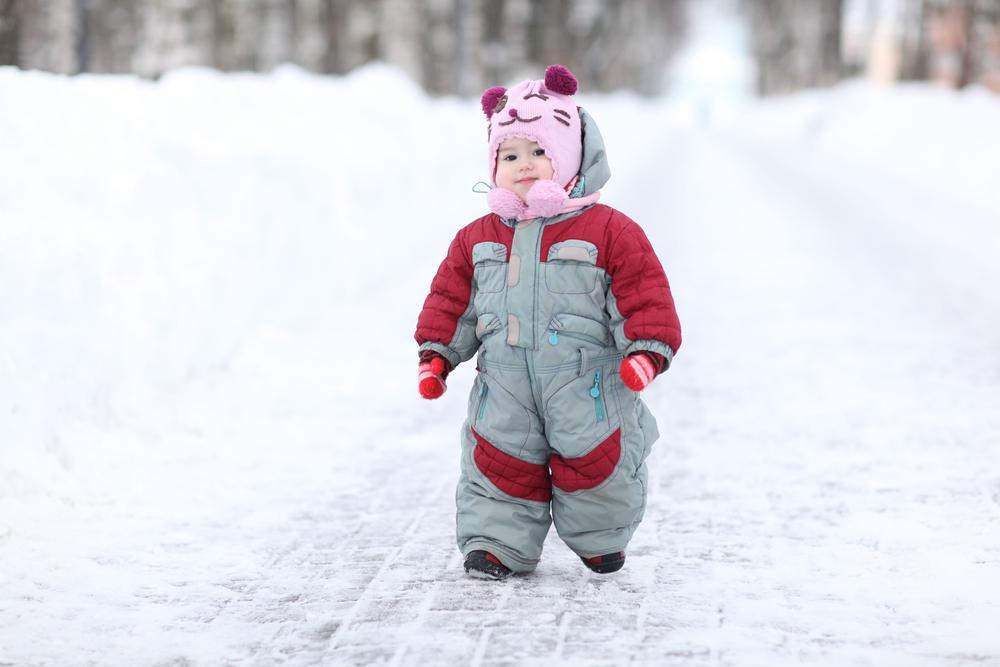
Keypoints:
pixel 571 313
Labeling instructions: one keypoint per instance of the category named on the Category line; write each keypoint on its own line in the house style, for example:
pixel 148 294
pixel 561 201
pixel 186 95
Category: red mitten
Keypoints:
pixel 431 373
pixel 639 368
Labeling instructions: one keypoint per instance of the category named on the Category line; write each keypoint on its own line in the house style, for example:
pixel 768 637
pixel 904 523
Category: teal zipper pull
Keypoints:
pixel 483 391
pixel 595 391
pixel 553 338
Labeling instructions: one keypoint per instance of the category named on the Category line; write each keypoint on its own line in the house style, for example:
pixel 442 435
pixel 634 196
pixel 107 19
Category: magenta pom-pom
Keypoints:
pixel 560 80
pixel 490 99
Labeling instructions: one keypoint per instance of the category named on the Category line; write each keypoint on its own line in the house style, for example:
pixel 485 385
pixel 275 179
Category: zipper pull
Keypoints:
pixel 553 338
pixel 595 391
pixel 482 400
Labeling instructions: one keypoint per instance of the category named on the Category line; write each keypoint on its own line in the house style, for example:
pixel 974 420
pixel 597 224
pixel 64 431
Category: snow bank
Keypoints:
pixel 153 235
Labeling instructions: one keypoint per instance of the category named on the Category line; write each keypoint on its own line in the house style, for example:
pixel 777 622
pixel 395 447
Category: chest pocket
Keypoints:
pixel 571 267
pixel 490 271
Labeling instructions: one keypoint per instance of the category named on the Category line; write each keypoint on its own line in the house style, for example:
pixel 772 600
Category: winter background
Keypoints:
pixel 211 446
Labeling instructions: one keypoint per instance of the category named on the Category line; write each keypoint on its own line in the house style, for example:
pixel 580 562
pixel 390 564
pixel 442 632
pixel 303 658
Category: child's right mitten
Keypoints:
pixel 431 374
pixel 639 368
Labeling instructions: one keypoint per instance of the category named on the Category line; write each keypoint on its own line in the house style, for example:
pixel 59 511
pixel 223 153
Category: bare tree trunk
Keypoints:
pixel 796 43
pixel 83 29
pixel 438 42
pixel 46 35
pixel 968 53
pixel 106 35
pixel 10 44
pixel 948 34
pixel 987 40
pixel 335 18
pixel 460 56
pixel 830 56
pixel 222 33
pixel 914 41
pixel 772 44
pixel 309 34
pixel 277 28
pixel 547 34
pixel 495 58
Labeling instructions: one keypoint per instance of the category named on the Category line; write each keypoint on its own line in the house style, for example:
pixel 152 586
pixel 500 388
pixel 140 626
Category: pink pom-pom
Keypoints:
pixel 546 199
pixel 560 80
pixel 490 99
pixel 505 203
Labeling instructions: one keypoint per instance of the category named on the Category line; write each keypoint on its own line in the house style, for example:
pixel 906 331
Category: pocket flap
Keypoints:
pixel 581 325
pixel 489 251
pixel 487 323
pixel 573 250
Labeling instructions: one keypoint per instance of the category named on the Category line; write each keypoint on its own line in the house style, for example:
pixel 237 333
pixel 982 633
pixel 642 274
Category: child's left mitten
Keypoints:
pixel 431 374
pixel 639 368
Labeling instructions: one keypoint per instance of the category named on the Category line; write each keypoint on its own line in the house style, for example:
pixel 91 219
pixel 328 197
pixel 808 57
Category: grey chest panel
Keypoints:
pixel 527 303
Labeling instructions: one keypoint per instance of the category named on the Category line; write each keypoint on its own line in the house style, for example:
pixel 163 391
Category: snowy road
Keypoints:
pixel 826 490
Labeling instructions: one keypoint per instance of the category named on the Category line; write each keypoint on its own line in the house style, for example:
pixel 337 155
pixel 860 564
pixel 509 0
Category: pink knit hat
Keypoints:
pixel 540 111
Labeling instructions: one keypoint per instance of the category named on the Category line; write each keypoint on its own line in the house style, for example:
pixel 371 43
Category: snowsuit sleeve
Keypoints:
pixel 447 323
pixel 639 300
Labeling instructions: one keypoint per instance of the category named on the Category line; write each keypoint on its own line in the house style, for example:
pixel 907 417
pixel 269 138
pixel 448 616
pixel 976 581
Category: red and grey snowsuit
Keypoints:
pixel 552 434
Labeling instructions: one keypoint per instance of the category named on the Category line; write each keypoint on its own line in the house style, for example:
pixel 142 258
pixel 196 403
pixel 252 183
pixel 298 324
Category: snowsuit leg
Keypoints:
pixel 586 457
pixel 504 489
pixel 600 434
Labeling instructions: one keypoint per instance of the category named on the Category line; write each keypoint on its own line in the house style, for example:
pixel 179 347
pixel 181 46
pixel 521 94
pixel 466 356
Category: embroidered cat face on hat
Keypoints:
pixel 541 111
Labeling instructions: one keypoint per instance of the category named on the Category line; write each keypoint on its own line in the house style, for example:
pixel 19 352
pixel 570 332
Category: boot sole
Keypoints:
pixel 486 576
pixel 605 568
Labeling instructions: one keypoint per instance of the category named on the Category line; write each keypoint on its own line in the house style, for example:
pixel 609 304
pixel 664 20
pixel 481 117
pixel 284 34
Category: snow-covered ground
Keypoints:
pixel 212 451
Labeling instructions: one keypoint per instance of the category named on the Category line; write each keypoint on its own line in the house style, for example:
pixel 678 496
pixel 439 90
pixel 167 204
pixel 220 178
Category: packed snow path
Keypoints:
pixel 826 489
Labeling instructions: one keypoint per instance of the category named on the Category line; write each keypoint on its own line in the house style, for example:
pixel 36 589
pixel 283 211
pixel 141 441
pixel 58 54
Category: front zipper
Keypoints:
pixel 534 296
pixel 595 391
pixel 483 395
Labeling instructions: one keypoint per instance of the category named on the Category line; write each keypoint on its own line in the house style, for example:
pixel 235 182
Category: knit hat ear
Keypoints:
pixel 491 100
pixel 560 80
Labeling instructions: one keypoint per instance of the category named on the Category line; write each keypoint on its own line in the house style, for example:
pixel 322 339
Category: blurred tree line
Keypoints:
pixel 802 43
pixel 463 46
pixel 449 46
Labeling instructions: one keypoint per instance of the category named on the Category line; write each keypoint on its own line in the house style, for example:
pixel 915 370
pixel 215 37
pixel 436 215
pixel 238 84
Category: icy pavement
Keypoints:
pixel 826 490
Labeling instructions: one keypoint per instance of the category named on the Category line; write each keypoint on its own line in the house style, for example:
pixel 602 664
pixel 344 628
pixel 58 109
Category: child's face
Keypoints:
pixel 521 162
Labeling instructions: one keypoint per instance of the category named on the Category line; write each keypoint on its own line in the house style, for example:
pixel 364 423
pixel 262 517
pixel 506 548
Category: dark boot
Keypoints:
pixel 605 564
pixel 484 565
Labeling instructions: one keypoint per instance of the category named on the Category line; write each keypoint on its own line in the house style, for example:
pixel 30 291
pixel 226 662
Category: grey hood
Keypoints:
pixel 594 168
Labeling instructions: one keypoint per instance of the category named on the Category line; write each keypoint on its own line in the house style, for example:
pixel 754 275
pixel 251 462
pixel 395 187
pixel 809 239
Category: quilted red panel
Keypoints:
pixel 641 288
pixel 511 475
pixel 587 471
pixel 637 277
pixel 452 285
